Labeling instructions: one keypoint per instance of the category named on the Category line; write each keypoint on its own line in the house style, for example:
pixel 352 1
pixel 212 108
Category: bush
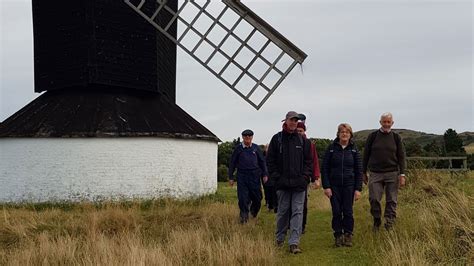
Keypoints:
pixel 222 171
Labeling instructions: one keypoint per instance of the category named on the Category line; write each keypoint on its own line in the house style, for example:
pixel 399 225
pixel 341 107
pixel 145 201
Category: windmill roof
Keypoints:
pixel 108 112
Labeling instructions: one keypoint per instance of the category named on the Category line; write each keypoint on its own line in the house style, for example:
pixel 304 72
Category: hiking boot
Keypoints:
pixel 377 223
pixel 347 240
pixel 339 241
pixel 389 223
pixel 279 243
pixel 295 249
pixel 388 227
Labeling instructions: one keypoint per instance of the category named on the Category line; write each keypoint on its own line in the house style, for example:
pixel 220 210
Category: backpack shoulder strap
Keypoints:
pixel 396 137
pixel 372 138
pixel 279 138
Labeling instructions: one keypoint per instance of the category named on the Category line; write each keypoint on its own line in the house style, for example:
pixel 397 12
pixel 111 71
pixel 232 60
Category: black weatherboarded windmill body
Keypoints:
pixel 107 125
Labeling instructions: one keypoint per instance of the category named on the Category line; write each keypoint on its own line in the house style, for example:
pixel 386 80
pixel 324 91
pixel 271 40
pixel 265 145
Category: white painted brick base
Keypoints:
pixel 74 169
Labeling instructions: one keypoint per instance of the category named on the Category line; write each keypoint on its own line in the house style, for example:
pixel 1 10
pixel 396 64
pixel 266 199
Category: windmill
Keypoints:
pixel 107 125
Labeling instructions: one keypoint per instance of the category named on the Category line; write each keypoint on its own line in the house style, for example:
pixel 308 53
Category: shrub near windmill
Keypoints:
pixel 107 125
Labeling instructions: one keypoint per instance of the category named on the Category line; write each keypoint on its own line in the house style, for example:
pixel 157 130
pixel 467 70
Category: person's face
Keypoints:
pixel 247 139
pixel 291 123
pixel 386 123
pixel 344 135
pixel 300 131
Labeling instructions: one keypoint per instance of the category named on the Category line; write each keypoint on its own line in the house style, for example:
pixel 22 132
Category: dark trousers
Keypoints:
pixel 305 209
pixel 271 197
pixel 249 192
pixel 342 214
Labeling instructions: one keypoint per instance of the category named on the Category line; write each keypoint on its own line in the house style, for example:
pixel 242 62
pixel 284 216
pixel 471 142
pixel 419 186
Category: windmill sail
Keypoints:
pixel 247 54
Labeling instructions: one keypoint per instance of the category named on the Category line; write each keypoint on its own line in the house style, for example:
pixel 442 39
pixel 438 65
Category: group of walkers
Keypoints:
pixel 289 165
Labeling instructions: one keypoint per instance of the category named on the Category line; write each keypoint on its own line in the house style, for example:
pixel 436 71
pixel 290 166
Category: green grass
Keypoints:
pixel 318 242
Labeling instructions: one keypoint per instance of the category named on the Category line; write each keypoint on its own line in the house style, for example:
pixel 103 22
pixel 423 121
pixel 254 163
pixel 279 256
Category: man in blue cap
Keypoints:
pixel 248 159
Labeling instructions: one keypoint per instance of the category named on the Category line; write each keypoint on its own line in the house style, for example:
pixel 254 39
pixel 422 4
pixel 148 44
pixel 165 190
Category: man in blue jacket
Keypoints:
pixel 290 165
pixel 250 163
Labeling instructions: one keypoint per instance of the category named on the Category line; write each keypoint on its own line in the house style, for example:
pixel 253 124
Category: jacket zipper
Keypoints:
pixel 342 166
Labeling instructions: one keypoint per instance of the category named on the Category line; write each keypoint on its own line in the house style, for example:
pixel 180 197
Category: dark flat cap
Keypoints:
pixel 247 132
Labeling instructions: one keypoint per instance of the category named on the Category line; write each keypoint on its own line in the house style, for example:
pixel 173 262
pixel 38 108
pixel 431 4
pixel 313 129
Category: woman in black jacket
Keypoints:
pixel 342 182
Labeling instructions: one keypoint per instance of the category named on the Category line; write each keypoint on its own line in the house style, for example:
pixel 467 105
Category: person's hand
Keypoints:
pixel 231 182
pixel 328 192
pixel 366 178
pixel 356 195
pixel 265 179
pixel 402 181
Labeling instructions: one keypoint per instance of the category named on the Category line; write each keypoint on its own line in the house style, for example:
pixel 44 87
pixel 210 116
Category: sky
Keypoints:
pixel 365 57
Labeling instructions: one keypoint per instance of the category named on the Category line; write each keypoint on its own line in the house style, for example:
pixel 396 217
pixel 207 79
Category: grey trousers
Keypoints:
pixel 290 213
pixel 378 182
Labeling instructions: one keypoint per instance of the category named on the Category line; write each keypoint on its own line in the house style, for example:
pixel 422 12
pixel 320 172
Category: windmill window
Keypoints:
pixel 201 3
pixel 175 15
pixel 258 68
pixel 245 84
pixel 164 18
pixel 244 57
pixel 271 79
pixel 243 29
pixel 257 41
pixel 231 73
pixel 229 19
pixel 203 24
pixel 190 40
pixel 149 8
pixel 258 95
pixel 181 28
pixel 204 51
pixel 215 11
pixel 271 52
pixel 189 13
pixel 217 62
pixel 230 46
pixel 285 62
pixel 217 34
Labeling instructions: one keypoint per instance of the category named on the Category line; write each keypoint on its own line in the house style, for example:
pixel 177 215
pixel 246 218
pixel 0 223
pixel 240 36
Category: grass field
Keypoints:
pixel 435 226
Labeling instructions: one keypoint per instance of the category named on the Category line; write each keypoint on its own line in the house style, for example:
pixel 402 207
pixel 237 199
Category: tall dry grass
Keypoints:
pixel 434 225
pixel 168 233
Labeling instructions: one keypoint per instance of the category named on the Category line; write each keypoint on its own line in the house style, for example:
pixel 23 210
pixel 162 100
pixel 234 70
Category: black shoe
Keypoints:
pixel 377 223
pixel 244 220
pixel 347 240
pixel 339 241
pixel 279 243
pixel 388 227
pixel 295 249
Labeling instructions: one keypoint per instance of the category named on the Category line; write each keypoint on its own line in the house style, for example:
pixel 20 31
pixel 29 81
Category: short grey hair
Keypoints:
pixel 386 115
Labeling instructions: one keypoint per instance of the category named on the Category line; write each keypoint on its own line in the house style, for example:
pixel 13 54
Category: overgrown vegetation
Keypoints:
pixel 434 226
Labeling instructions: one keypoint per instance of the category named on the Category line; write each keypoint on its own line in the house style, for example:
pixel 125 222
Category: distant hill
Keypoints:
pixel 421 137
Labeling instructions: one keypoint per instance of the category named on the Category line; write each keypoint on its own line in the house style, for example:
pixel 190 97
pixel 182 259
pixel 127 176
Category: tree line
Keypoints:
pixel 451 145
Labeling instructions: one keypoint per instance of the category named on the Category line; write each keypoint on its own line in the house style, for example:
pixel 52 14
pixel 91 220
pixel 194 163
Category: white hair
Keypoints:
pixel 386 115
